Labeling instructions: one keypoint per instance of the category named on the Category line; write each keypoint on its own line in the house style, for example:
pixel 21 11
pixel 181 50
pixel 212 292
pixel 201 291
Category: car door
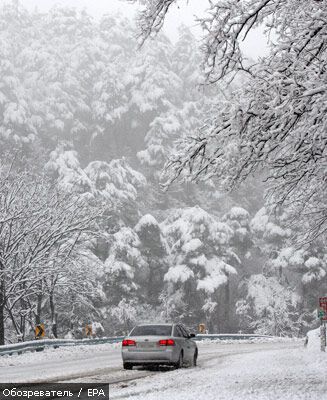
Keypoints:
pixel 189 344
pixel 184 343
pixel 179 340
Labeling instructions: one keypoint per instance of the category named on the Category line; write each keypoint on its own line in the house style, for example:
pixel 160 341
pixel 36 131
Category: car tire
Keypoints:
pixel 153 367
pixel 128 366
pixel 195 358
pixel 180 361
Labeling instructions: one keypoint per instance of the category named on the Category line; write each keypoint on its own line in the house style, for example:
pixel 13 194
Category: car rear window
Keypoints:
pixel 151 330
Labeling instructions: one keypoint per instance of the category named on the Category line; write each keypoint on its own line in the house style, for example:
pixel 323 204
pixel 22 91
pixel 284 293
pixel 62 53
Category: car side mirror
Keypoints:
pixel 191 335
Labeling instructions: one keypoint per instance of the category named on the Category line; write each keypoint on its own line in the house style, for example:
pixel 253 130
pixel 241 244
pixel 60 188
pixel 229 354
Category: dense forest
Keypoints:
pixel 88 234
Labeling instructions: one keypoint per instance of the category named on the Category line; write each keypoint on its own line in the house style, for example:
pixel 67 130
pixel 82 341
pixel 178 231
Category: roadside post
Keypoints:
pixel 322 314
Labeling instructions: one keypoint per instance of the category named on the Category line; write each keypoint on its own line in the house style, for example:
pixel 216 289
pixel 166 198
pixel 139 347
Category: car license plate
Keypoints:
pixel 146 345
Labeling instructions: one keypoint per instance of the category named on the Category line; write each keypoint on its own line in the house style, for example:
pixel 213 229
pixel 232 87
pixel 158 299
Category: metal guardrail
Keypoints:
pixel 39 345
pixel 231 336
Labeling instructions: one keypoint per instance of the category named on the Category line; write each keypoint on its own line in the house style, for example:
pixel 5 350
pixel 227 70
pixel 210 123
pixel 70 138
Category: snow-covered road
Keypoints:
pixel 99 362
pixel 256 371
pixel 61 364
pixel 243 371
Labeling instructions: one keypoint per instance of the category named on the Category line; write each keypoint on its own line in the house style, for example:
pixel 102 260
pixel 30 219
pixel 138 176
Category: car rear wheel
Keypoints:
pixel 179 363
pixel 154 367
pixel 128 366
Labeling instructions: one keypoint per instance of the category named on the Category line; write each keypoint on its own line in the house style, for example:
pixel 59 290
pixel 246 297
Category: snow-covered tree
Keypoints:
pixel 276 120
pixel 154 250
pixel 184 111
pixel 201 267
pixel 39 226
pixel 238 219
pixel 269 308
pixel 303 269
pixel 18 125
pixel 122 265
pixel 71 289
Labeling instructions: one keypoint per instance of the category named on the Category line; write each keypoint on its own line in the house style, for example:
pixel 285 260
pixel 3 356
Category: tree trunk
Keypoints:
pixel 55 326
pixel 39 309
pixel 2 305
pixel 227 306
pixel 22 327
pixel 2 322
pixel 13 321
pixel 53 316
pixel 151 288
pixel 23 316
pixel 302 308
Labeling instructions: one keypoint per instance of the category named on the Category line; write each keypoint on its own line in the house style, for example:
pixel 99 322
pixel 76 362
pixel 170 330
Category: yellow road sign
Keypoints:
pixel 39 331
pixel 202 328
pixel 88 330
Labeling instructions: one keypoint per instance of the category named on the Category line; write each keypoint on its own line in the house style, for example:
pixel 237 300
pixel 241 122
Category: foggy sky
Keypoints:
pixel 254 46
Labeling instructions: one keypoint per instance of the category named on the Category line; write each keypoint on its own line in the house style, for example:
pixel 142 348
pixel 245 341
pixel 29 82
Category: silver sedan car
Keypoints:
pixel 159 344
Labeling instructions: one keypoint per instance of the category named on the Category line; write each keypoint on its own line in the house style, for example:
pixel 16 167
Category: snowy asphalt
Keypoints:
pixel 266 371
pixel 100 363
pixel 256 371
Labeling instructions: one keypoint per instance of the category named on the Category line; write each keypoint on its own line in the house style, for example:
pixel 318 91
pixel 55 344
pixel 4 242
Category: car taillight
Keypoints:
pixel 128 342
pixel 166 342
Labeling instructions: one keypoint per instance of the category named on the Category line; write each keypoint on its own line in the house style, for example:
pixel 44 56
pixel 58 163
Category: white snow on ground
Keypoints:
pixel 313 340
pixel 261 369
pixel 75 352
pixel 60 364
pixel 278 373
pixel 80 361
pixel 61 353
pixel 267 339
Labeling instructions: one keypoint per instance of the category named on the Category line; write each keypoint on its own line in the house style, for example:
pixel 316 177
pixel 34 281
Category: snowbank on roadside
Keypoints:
pixel 55 354
pixel 268 339
pixel 314 340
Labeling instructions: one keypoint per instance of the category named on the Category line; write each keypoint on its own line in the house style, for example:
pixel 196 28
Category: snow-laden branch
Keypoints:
pixel 40 227
pixel 276 120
